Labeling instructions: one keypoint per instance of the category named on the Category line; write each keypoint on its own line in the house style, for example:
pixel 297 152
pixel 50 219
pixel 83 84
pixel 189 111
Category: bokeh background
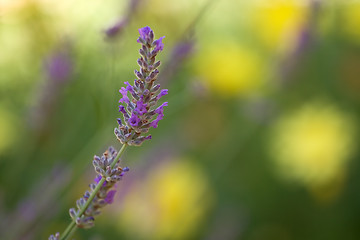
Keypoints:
pixel 259 141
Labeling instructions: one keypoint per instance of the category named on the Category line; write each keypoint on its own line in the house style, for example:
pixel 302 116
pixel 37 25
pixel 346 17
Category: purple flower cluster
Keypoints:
pixel 55 237
pixel 141 111
pixel 106 193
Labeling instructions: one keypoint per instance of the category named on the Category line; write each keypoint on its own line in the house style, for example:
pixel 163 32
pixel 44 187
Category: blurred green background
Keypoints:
pixel 259 141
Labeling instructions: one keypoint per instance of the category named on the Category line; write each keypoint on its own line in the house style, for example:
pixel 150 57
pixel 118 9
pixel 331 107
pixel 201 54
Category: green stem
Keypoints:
pixel 71 228
pixel 68 231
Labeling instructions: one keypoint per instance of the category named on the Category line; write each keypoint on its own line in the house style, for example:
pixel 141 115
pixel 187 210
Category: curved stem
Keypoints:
pixel 71 228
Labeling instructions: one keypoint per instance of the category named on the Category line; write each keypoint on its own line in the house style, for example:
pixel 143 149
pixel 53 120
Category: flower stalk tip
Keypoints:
pixel 139 107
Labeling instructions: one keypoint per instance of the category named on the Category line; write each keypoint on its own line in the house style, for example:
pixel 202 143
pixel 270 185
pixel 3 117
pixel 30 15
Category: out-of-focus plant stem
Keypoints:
pixel 69 231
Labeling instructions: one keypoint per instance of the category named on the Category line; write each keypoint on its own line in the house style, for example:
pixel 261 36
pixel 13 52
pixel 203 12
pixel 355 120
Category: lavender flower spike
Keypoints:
pixel 105 195
pixel 141 111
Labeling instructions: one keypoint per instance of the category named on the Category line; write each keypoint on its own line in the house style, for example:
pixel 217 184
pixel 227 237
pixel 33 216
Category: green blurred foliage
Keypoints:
pixel 258 141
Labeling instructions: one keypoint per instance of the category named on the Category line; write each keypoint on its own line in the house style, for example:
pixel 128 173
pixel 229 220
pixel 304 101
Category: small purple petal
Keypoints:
pixel 134 120
pixel 110 196
pixel 159 45
pixel 119 121
pixel 160 112
pixel 154 123
pixel 141 107
pixel 98 179
pixel 162 93
pixel 126 169
pixel 122 109
pixel 160 109
pixel 144 32
pixel 129 87
pixel 124 98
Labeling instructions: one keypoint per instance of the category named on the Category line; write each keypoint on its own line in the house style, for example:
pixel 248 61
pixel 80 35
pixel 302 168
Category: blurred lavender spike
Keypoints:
pixel 34 211
pixel 58 66
pixel 118 27
pixel 182 50
pixel 306 40
pixel 58 70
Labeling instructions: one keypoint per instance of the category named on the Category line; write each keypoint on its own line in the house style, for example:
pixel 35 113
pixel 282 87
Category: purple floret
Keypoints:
pixel 159 45
pixel 98 179
pixel 160 116
pixel 122 109
pixel 144 33
pixel 110 196
pixel 162 93
pixel 141 107
pixel 124 98
pixel 160 109
pixel 134 120
pixel 129 87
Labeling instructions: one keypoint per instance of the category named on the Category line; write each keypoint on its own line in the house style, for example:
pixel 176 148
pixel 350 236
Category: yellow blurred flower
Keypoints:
pixel 230 69
pixel 7 129
pixel 351 17
pixel 169 204
pixel 278 22
pixel 313 144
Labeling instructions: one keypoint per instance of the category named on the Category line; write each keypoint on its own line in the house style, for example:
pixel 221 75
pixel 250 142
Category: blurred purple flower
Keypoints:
pixel 182 50
pixel 58 66
pixel 116 29
pixel 33 212
pixel 110 196
pixel 58 69
pixel 306 40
